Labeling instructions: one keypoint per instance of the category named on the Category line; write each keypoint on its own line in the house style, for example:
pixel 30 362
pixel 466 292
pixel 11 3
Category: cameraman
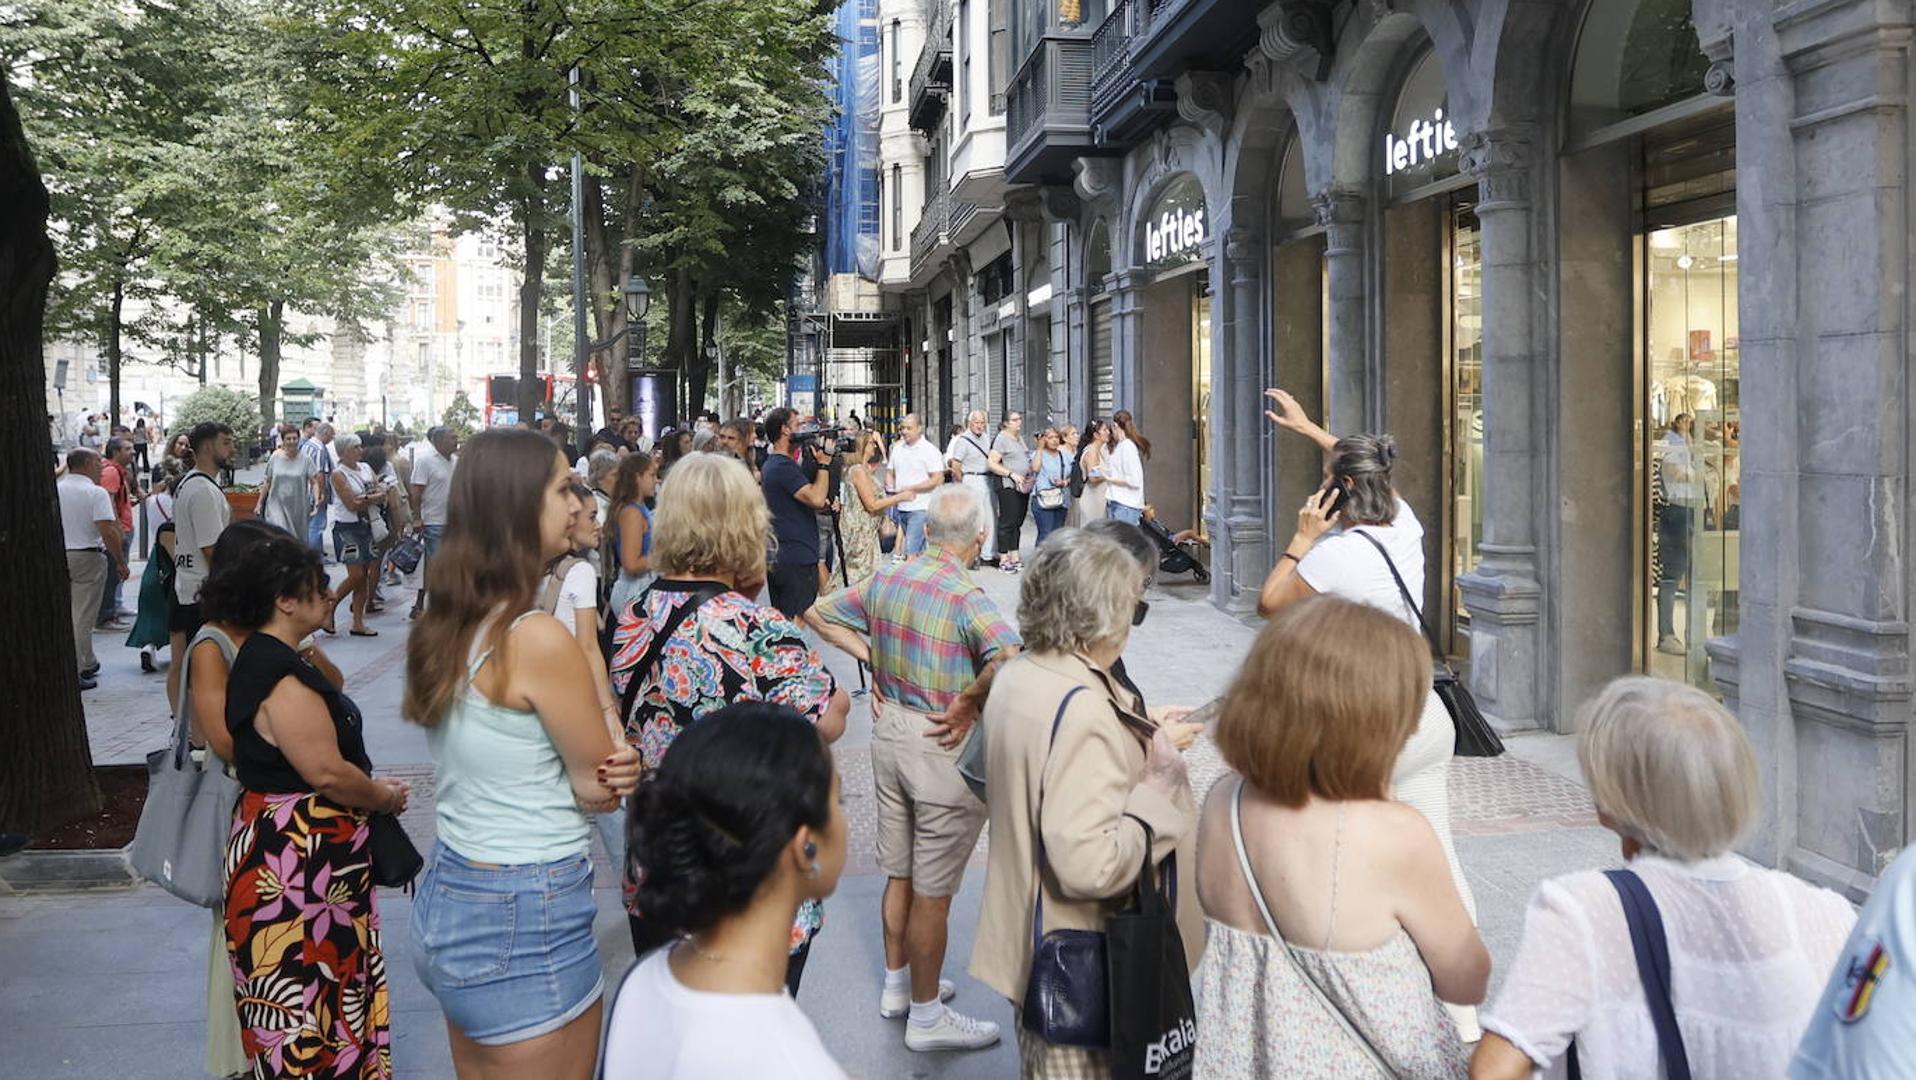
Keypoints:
pixel 795 493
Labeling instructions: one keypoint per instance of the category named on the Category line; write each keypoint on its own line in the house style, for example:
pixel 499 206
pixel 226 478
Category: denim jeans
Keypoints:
pixel 912 522
pixel 1049 521
pixel 1120 512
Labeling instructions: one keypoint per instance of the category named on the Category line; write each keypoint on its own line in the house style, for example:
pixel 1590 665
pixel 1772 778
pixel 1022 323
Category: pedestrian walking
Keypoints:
pixel 917 469
pixel 1051 484
pixel 302 918
pixel 94 552
pixel 504 909
pixel 928 631
pixel 1084 789
pixel 741 827
pixel 695 642
pixel 141 437
pixel 117 479
pixel 797 485
pixel 968 459
pixel 200 514
pixel 863 508
pixel 318 448
pixel 430 488
pixel 1334 929
pixel 1355 538
pixel 635 486
pixel 1673 775
pixel 290 490
pixel 1124 474
pixel 356 493
pixel 1093 469
pixel 1011 464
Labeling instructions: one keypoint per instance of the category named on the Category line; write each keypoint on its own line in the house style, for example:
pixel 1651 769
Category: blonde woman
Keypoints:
pixel 696 642
pixel 1674 776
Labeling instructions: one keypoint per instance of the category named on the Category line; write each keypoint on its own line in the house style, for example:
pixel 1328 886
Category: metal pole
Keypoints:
pixel 582 364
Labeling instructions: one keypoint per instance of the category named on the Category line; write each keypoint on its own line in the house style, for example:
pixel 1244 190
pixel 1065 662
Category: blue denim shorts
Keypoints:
pixel 353 542
pixel 507 950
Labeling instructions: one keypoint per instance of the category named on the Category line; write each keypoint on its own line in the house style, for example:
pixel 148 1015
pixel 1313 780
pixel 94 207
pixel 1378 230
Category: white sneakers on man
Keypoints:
pixel 950 1031
pixel 894 1003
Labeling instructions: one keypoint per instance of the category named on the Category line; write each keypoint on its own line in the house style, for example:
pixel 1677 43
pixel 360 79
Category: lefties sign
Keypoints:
pixel 1175 232
pixel 1421 144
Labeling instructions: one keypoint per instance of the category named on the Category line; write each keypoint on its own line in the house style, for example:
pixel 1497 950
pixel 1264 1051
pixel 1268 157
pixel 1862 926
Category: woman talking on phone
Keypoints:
pixel 1352 533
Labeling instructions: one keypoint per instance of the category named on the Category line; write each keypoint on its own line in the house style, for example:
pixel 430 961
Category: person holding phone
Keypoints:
pixel 1351 534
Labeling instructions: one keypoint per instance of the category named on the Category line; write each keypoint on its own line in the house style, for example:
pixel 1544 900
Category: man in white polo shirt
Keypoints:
pixel 93 543
pixel 916 466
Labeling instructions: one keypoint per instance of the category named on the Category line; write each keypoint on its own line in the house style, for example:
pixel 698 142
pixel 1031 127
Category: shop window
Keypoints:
pixel 1634 57
pixel 1294 210
pixel 1466 405
pixel 1694 431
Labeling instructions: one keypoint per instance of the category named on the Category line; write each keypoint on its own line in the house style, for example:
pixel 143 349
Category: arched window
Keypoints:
pixel 1634 57
pixel 1097 257
pixel 1294 211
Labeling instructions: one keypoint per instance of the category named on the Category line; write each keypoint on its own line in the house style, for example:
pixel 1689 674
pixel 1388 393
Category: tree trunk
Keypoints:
pixel 115 316
pixel 603 302
pixel 699 374
pixel 532 389
pixel 272 330
pixel 46 766
pixel 682 330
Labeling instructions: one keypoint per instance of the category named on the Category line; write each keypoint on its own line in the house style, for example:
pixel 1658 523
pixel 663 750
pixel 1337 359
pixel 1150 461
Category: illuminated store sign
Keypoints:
pixel 1422 145
pixel 1175 231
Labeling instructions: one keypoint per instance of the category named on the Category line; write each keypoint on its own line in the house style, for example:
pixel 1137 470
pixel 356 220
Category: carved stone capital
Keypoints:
pixel 1204 99
pixel 1300 32
pixel 1720 79
pixel 1341 213
pixel 1243 246
pixel 1061 202
pixel 1098 178
pixel 1024 204
pixel 1500 159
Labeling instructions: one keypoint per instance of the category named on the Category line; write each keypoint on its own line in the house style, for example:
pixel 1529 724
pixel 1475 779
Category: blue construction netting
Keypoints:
pixel 851 189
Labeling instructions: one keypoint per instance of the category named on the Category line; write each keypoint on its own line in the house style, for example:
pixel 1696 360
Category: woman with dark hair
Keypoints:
pixel 1094 461
pixel 634 486
pixel 503 915
pixel 302 923
pixel 741 825
pixel 291 487
pixel 1124 479
pixel 673 447
pixel 1355 538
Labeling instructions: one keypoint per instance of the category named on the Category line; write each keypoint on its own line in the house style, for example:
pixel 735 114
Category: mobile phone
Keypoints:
pixel 1339 495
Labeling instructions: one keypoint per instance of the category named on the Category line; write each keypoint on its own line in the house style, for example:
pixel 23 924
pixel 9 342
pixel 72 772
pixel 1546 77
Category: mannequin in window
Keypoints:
pixel 1681 481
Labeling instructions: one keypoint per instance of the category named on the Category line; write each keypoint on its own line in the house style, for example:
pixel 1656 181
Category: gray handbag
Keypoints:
pixel 180 843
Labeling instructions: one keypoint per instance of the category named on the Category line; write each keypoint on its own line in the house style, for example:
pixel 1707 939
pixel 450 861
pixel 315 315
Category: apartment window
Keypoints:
pixel 421 316
pixel 897 69
pixel 963 44
pixel 998 54
pixel 897 204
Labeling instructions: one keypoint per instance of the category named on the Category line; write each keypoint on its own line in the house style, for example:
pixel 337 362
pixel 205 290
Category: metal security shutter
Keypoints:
pixel 1101 358
pixel 995 379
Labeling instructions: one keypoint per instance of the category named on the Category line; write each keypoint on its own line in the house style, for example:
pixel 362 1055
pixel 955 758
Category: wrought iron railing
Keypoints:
pixel 932 72
pixel 1027 97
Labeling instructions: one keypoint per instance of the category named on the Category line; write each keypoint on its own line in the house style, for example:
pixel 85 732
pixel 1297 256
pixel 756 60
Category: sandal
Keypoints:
pixel 363 633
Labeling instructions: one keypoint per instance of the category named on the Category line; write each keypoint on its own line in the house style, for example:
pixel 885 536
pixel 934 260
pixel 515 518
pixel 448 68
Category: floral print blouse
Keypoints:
pixel 729 650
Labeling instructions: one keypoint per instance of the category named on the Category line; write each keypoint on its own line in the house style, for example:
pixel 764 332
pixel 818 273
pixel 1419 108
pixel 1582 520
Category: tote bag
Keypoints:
pixel 180 842
pixel 1153 1015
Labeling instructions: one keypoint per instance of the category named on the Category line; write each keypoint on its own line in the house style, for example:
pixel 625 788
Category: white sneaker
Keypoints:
pixel 891 1005
pixel 953 1031
pixel 1670 646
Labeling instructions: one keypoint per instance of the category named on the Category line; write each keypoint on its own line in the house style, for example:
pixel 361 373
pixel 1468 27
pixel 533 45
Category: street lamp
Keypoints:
pixel 638 299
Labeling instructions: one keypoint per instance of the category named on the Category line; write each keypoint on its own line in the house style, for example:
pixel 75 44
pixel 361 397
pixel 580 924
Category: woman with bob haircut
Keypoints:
pixel 1074 762
pixel 1352 885
pixel 1674 776
pixel 504 910
pixel 742 824
pixel 719 647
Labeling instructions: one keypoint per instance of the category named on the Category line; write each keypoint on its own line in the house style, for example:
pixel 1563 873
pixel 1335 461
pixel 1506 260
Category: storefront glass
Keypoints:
pixel 1201 395
pixel 1466 405
pixel 1693 430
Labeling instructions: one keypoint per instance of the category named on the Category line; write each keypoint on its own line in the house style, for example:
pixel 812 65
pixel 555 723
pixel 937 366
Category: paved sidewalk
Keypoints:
pixel 136 958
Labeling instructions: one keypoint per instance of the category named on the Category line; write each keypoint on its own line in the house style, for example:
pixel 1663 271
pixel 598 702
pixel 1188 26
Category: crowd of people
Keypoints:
pixel 624 639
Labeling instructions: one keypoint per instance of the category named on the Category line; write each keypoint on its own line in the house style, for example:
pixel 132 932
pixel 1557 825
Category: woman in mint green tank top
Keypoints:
pixel 523 756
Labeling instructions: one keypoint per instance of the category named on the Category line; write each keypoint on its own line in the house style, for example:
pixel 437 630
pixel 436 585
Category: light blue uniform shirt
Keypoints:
pixel 1865 1024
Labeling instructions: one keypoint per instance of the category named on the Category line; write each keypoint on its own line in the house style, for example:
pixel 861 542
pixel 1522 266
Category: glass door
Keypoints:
pixel 1693 430
pixel 1466 420
pixel 1201 395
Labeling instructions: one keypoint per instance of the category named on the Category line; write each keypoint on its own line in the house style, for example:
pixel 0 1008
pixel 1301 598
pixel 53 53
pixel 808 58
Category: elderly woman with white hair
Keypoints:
pixel 1081 782
pixel 1673 775
pixel 357 491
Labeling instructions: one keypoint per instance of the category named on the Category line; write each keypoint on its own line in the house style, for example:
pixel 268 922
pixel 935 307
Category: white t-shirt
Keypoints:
pixel 357 478
pixel 1865 1025
pixel 1124 463
pixel 200 515
pixel 1341 564
pixel 83 503
pixel 664 1030
pixel 913 464
pixel 1749 950
pixel 433 473
pixel 580 589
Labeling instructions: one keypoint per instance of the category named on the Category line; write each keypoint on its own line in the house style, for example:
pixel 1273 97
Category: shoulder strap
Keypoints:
pixel 1404 590
pixel 1279 942
pixel 706 591
pixel 555 581
pixel 973 441
pixel 1037 822
pixel 1653 968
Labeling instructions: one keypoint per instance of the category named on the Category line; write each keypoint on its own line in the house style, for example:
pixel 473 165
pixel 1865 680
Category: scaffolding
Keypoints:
pixel 859 363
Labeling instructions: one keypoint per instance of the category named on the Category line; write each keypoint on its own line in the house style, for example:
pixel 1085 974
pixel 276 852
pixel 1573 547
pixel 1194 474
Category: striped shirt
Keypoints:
pixel 932 628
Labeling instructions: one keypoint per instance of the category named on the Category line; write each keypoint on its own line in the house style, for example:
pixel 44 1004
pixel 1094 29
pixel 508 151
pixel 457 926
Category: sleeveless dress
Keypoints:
pixel 628 586
pixel 858 531
pixel 1260 1018
pixel 302 921
pixel 290 500
pixel 1091 503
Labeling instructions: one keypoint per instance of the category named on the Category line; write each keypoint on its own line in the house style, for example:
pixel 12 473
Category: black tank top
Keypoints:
pixel 260 665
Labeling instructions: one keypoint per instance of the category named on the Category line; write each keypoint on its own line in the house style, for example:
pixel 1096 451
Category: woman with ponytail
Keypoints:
pixel 740 825
pixel 1124 476
pixel 1355 538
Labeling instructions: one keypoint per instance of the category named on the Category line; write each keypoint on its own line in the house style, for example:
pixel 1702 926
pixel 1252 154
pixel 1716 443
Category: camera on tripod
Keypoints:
pixel 832 439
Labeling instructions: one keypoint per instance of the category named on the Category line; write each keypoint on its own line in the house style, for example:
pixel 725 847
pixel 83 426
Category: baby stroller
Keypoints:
pixel 1176 556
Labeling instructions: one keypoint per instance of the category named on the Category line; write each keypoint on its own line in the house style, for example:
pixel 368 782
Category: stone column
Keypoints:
pixel 1341 212
pixel 1127 340
pixel 1819 666
pixel 1509 668
pixel 1241 555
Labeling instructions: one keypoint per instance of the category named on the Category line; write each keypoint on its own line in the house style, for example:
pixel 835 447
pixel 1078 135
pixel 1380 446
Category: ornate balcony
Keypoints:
pixel 1048 111
pixel 931 76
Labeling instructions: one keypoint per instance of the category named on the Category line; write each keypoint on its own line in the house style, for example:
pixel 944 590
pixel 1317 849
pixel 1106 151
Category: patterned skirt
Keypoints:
pixel 302 927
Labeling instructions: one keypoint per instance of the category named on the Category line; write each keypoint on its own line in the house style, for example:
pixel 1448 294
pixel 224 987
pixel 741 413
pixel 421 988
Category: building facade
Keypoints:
pixel 1560 250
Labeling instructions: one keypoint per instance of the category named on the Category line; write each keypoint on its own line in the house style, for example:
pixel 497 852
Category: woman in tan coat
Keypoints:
pixel 1082 774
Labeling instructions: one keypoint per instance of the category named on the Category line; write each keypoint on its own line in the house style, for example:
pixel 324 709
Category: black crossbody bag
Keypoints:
pixel 1475 736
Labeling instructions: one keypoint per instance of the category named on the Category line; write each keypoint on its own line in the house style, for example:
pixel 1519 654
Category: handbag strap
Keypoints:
pixel 1404 590
pixel 182 723
pixel 1653 968
pixel 1037 821
pixel 1282 945
pixel 706 590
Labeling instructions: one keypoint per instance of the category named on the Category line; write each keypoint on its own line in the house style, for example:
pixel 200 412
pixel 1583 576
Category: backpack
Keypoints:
pixel 1076 480
pixel 555 581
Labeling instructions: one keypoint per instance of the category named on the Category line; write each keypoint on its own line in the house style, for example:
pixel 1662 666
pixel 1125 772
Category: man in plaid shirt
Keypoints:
pixel 930 634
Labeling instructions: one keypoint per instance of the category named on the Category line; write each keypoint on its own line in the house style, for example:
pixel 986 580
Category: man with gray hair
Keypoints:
pixel 929 632
pixel 430 488
pixel 969 458
pixel 317 447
